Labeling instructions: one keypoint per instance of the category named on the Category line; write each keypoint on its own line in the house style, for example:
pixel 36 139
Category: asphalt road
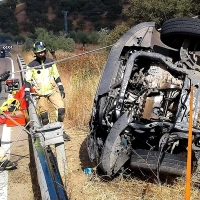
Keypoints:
pixel 17 183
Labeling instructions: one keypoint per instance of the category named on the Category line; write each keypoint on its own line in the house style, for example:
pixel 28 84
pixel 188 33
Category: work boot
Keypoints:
pixel 7 165
pixel 66 137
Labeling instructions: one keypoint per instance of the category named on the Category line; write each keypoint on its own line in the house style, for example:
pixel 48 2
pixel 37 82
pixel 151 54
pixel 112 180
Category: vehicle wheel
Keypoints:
pixel 115 153
pixel 174 31
pixel 148 160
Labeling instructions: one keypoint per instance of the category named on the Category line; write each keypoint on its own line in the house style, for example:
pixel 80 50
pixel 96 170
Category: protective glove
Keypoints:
pixel 4 76
pixel 62 92
pixel 27 96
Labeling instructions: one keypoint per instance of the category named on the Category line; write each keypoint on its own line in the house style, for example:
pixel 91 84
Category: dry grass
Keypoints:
pixel 137 186
pixel 133 189
pixel 80 77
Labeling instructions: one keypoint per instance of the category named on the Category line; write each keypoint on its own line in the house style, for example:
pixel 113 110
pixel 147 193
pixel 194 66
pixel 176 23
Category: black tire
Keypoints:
pixel 148 160
pixel 174 31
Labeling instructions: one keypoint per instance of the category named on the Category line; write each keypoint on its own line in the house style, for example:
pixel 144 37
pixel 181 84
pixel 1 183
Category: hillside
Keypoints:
pixel 21 16
pixel 52 18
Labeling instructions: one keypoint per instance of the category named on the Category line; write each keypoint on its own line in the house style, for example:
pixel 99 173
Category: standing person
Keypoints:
pixel 47 84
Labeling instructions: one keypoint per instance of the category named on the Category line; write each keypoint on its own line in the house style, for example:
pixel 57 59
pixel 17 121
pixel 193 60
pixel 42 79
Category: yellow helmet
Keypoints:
pixel 39 47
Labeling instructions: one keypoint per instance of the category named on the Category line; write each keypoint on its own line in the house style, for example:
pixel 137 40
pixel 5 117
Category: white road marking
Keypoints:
pixel 5 143
pixel 12 66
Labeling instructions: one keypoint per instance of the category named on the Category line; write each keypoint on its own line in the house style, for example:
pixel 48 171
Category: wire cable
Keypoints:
pixel 64 59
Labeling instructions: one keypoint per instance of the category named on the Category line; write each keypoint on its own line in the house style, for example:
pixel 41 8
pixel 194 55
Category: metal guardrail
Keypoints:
pixel 22 66
pixel 49 169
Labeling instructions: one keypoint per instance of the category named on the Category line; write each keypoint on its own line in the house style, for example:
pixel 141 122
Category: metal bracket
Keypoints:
pixel 187 59
pixel 51 134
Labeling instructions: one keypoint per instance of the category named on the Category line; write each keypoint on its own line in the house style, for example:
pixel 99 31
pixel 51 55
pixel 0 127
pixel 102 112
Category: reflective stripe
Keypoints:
pixel 43 80
pixel 59 83
pixel 47 80
pixel 27 89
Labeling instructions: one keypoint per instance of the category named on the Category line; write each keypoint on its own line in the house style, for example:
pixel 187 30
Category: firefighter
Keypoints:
pixel 47 84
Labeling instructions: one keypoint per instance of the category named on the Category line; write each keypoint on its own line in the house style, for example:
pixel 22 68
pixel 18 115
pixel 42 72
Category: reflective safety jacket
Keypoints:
pixel 42 76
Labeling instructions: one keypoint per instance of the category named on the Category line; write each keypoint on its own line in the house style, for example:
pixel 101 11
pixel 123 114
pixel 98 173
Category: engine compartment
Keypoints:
pixel 141 109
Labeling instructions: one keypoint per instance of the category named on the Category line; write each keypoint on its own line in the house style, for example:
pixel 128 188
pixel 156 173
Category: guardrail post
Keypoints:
pixel 61 159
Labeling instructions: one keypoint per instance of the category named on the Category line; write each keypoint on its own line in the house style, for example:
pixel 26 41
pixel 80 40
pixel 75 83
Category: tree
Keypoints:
pixel 57 25
pixel 11 4
pixel 41 33
pixel 116 34
pixel 8 22
pixel 80 25
pixel 53 42
pixel 103 34
pixel 82 38
pixel 114 9
pixel 93 37
pixel 36 6
pixel 19 39
pixel 28 45
pixel 38 19
pixel 66 44
pixel 69 5
pixel 159 11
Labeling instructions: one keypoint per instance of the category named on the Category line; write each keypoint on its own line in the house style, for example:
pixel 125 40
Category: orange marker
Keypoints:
pixel 189 153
